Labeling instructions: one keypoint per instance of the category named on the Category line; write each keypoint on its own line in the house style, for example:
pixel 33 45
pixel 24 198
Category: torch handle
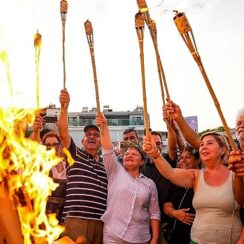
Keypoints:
pixel 146 121
pixel 63 58
pixel 95 78
pixel 217 105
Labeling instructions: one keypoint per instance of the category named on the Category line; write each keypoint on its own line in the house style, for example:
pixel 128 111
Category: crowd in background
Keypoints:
pixel 138 194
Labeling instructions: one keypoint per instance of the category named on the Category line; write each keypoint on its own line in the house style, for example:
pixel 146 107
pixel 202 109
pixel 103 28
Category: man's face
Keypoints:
pixel 240 128
pixel 91 140
pixel 130 137
pixel 158 142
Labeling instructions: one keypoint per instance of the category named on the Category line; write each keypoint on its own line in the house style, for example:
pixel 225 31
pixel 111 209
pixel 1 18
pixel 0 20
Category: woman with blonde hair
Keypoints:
pixel 217 217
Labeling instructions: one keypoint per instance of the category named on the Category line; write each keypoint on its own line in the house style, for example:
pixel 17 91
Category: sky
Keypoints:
pixel 218 30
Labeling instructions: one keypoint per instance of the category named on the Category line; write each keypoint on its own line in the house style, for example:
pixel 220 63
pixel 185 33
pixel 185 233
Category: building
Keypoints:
pixel 118 121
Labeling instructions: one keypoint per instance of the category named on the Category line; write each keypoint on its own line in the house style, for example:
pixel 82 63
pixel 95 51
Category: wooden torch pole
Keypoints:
pixel 90 40
pixel 63 12
pixel 186 33
pixel 139 23
pixel 151 24
pixel 37 45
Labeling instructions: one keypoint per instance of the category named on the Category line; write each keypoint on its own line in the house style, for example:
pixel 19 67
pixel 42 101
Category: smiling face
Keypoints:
pixel 213 149
pixel 132 159
pixel 130 136
pixel 240 128
pixel 91 140
pixel 188 160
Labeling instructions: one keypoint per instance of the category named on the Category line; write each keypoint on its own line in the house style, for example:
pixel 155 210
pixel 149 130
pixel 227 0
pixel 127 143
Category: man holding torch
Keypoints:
pixel 86 193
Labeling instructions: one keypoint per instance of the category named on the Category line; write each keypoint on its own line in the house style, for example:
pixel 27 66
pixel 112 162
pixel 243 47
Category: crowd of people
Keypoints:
pixel 194 193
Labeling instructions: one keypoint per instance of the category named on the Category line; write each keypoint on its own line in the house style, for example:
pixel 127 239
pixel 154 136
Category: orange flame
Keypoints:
pixel 25 166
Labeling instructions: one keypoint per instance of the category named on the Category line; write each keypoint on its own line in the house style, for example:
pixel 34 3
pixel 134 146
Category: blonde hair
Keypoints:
pixel 222 140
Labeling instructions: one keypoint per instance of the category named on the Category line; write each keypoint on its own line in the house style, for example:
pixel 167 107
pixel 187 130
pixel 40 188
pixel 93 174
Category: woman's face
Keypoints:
pixel 188 160
pixel 210 149
pixel 132 159
pixel 52 142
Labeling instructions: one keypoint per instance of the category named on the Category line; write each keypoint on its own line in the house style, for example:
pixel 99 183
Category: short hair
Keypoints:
pixel 191 150
pixel 131 129
pixel 239 114
pixel 157 134
pixel 137 147
pixel 222 141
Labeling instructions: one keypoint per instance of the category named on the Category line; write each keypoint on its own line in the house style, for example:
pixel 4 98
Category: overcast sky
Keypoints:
pixel 217 26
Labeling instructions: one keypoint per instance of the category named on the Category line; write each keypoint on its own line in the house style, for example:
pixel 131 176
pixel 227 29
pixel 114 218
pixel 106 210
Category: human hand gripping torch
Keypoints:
pixel 139 24
pixel 151 24
pixel 63 12
pixel 90 40
pixel 186 33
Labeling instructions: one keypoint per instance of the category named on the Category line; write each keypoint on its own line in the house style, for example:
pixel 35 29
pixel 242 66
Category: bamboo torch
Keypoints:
pixel 186 33
pixel 139 24
pixel 151 24
pixel 90 40
pixel 37 45
pixel 63 12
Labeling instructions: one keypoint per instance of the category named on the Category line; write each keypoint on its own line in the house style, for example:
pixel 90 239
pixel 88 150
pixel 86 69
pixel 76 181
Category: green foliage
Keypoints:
pixel 218 129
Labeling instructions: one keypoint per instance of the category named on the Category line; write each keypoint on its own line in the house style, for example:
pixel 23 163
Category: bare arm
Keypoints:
pixel 105 135
pixel 180 214
pixel 154 223
pixel 172 139
pixel 181 177
pixel 236 164
pixel 179 139
pixel 64 99
pixel 189 134
pixel 35 135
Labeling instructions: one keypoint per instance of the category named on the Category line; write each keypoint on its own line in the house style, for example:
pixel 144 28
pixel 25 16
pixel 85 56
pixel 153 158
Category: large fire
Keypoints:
pixel 24 170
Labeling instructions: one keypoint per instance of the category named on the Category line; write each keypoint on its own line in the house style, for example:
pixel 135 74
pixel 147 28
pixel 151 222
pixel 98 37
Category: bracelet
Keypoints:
pixel 158 155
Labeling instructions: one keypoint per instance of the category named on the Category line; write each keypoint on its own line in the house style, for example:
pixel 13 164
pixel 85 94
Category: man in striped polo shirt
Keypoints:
pixel 86 192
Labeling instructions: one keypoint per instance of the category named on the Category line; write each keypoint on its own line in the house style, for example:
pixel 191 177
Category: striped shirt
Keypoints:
pixel 86 192
pixel 132 202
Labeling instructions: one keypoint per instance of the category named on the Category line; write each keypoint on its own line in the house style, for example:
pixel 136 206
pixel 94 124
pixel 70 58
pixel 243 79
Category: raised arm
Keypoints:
pixel 105 135
pixel 64 99
pixel 110 159
pixel 236 164
pixel 189 134
pixel 172 139
pixel 35 135
pixel 181 177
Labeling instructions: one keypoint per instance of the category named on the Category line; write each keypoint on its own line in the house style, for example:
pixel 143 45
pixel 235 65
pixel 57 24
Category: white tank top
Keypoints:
pixel 214 209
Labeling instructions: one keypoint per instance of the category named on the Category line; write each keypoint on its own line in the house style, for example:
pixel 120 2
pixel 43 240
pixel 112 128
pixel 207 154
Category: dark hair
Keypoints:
pixel 44 132
pixel 157 134
pixel 131 129
pixel 191 150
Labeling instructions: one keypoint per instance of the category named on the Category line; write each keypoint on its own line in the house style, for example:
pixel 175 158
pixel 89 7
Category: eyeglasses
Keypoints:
pixel 129 138
pixel 49 145
pixel 95 134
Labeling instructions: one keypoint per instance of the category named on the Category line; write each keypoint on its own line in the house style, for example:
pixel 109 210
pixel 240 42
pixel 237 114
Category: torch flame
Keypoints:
pixel 25 166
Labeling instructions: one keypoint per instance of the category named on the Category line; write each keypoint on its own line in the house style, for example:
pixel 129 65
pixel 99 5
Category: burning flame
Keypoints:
pixel 24 170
